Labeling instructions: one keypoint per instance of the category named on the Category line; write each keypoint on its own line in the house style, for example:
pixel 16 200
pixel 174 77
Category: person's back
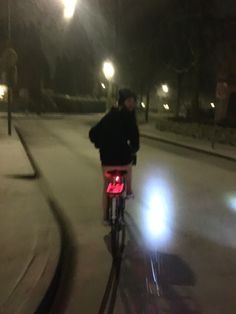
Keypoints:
pixel 117 138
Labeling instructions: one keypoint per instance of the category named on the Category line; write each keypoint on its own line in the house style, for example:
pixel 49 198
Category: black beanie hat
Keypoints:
pixel 124 94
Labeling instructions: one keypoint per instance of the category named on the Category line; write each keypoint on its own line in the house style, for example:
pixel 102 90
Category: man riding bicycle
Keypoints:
pixel 117 138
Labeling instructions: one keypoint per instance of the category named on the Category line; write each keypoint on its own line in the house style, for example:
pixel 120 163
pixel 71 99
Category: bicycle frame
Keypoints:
pixel 116 192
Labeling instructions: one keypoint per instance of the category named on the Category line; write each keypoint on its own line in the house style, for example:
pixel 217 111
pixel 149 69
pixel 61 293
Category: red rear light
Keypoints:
pixel 115 188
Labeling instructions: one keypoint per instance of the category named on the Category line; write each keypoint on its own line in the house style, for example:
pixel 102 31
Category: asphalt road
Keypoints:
pixel 181 225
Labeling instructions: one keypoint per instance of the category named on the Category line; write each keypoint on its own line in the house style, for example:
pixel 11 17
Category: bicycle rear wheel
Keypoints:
pixel 117 240
pixel 118 232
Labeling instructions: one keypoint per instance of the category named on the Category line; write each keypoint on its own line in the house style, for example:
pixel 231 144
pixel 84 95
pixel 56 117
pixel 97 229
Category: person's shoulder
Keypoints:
pixel 109 117
pixel 113 113
pixel 105 116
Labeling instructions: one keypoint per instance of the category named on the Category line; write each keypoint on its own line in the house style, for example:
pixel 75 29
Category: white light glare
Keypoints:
pixel 108 70
pixel 69 8
pixel 103 85
pixel 166 106
pixel 231 201
pixel 157 213
pixel 212 105
pixel 143 105
pixel 156 216
pixel 3 91
pixel 165 88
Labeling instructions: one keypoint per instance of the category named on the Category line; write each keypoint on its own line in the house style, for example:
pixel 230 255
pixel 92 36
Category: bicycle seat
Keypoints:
pixel 114 173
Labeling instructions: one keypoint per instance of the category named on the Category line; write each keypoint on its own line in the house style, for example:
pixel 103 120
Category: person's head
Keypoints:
pixel 127 99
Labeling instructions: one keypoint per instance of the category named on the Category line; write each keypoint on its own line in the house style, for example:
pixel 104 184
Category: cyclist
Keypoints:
pixel 117 138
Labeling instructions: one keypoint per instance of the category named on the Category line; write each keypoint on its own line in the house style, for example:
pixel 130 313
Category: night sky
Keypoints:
pixel 95 22
pixel 107 27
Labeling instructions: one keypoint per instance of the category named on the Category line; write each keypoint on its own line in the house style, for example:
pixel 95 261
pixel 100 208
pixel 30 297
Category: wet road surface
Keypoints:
pixel 180 255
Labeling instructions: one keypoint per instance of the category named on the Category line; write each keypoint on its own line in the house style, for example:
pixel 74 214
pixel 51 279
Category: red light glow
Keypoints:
pixel 117 188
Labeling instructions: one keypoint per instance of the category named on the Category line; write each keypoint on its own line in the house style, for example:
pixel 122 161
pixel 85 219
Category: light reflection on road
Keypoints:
pixel 157 212
pixel 231 201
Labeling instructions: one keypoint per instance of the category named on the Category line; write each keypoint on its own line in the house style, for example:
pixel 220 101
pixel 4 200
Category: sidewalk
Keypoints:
pixel 29 236
pixel 223 151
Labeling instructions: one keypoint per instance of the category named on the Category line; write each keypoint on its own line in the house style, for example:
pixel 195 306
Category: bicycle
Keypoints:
pixel 116 193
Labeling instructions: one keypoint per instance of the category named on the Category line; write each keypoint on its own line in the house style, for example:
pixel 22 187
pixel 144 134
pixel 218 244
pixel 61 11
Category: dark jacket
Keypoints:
pixel 117 137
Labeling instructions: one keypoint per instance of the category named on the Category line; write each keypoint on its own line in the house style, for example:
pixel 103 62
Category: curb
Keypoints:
pixel 67 260
pixel 196 149
pixel 48 299
pixel 37 173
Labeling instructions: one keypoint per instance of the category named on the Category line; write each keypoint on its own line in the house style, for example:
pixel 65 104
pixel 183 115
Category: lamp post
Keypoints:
pixel 10 58
pixel 9 19
pixel 9 98
pixel 109 72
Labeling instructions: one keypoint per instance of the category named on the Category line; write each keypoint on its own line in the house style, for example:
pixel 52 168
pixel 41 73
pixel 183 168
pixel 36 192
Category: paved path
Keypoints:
pixel 183 215
pixel 29 236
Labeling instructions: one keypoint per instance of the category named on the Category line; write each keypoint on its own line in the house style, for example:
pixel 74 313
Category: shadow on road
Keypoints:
pixel 154 282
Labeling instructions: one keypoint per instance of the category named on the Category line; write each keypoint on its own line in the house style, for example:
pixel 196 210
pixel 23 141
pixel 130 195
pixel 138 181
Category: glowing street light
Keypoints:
pixel 143 105
pixel 108 70
pixel 166 106
pixel 212 105
pixel 165 88
pixel 69 8
pixel 3 92
pixel 103 85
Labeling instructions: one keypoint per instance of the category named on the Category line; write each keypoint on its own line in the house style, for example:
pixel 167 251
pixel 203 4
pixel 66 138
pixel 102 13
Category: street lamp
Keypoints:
pixel 166 106
pixel 9 35
pixel 69 8
pixel 3 92
pixel 109 72
pixel 165 88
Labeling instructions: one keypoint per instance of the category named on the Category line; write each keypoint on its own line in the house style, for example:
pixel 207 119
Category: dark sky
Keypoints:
pixel 90 21
pixel 227 8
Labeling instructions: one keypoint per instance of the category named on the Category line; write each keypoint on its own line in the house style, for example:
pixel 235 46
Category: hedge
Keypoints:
pixel 224 135
pixel 79 105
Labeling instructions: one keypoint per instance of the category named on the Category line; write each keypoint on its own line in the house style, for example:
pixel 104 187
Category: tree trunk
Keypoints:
pixel 147 107
pixel 178 100
pixel 195 97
